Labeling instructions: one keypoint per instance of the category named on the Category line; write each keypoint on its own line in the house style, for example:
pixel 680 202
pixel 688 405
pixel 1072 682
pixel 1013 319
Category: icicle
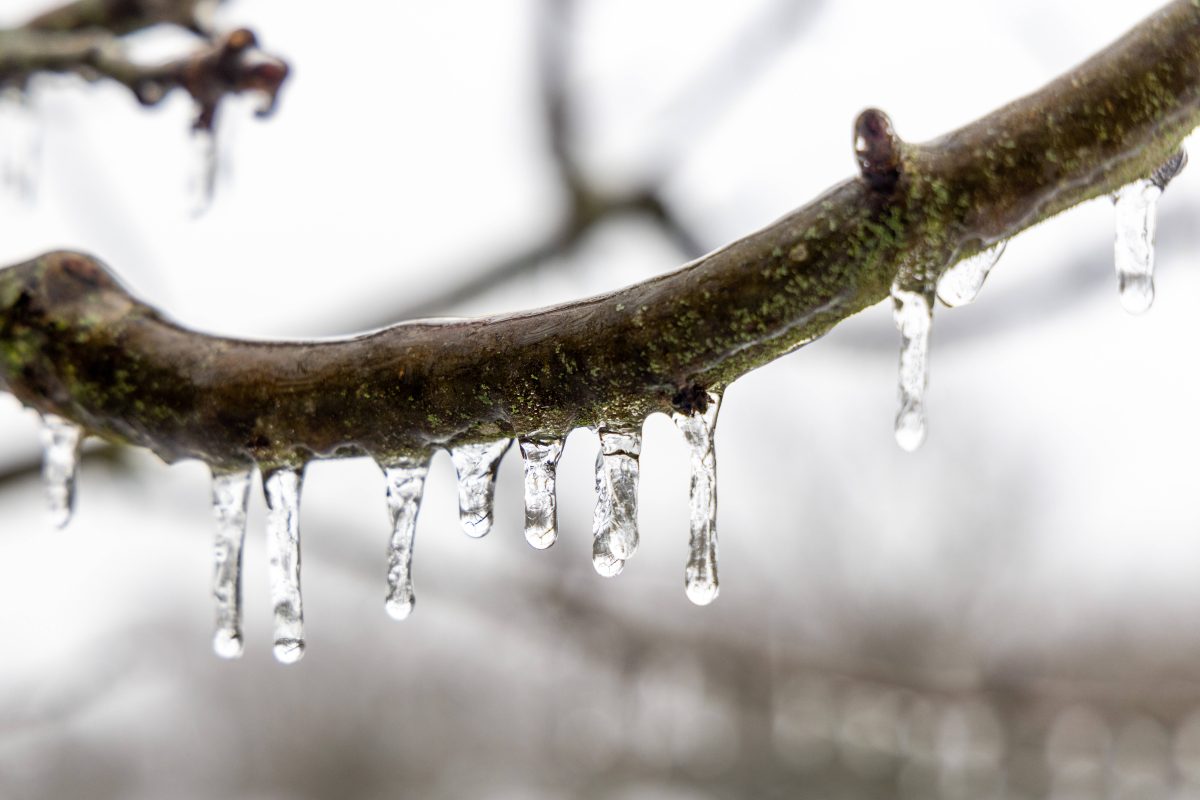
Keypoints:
pixel 614 525
pixel 282 488
pixel 541 511
pixel 913 319
pixel 230 490
pixel 698 427
pixel 1136 213
pixel 476 465
pixel 20 143
pixel 203 181
pixel 61 440
pixel 405 483
pixel 960 284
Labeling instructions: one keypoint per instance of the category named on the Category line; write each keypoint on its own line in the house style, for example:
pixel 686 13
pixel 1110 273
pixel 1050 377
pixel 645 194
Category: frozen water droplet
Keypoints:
pixel 203 181
pixel 914 318
pixel 288 651
pixel 614 524
pixel 20 143
pixel 230 491
pixel 960 284
pixel 476 465
pixel 282 487
pixel 1136 206
pixel 541 512
pixel 603 561
pixel 61 440
pixel 405 483
pixel 700 577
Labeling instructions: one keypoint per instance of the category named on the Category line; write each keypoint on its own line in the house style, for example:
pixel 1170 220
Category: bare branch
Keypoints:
pixel 74 343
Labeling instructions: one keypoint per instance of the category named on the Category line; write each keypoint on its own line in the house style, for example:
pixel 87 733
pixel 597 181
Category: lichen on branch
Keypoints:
pixel 74 343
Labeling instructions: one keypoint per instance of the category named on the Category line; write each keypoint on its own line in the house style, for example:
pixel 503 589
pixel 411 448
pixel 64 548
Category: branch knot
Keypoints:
pixel 877 148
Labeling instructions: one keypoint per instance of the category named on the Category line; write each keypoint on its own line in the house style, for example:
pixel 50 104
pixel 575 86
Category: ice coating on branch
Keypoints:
pixel 405 483
pixel 230 491
pixel 476 465
pixel 914 318
pixel 700 576
pixel 203 181
pixel 614 525
pixel 1136 215
pixel 541 509
pixel 282 488
pixel 61 440
pixel 960 284
pixel 20 143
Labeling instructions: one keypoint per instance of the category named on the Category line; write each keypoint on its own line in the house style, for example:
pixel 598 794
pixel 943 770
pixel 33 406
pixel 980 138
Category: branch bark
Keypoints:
pixel 73 342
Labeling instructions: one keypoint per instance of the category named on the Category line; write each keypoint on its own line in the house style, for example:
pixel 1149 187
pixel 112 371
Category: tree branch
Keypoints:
pixel 73 342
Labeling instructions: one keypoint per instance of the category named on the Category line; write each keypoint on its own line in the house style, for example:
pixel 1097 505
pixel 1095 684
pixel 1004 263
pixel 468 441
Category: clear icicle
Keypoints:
pixel 614 526
pixel 914 318
pixel 541 512
pixel 960 284
pixel 405 484
pixel 1134 247
pixel 282 488
pixel 203 181
pixel 1136 214
pixel 61 440
pixel 700 577
pixel 230 491
pixel 476 465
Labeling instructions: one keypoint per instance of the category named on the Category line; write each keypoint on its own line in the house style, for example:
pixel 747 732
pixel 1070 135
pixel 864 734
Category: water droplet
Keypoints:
pixel 61 440
pixel 282 487
pixel 476 465
pixel 960 284
pixel 541 511
pixel 405 483
pixel 914 318
pixel 1136 206
pixel 230 491
pixel 203 181
pixel 700 576
pixel 614 524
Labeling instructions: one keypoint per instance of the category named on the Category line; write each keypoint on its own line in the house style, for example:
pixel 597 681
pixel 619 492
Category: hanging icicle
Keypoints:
pixel 960 284
pixel 476 465
pixel 405 484
pixel 914 317
pixel 541 510
pixel 282 488
pixel 614 525
pixel 230 491
pixel 1136 206
pixel 698 427
pixel 61 442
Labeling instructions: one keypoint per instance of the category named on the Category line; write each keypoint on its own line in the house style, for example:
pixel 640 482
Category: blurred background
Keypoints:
pixel 1011 612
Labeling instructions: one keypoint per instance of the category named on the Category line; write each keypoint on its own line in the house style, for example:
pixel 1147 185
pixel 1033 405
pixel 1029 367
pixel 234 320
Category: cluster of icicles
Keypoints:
pixel 614 525
pixel 1136 207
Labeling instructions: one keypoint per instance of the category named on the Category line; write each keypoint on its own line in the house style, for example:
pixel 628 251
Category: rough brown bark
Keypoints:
pixel 74 343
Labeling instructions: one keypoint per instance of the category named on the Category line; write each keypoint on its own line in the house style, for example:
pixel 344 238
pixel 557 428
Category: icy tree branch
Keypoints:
pixel 74 343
